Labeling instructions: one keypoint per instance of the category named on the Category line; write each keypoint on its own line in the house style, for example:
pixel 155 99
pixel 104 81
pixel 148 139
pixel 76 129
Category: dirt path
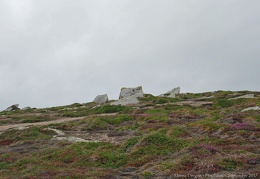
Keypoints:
pixel 22 125
pixel 62 120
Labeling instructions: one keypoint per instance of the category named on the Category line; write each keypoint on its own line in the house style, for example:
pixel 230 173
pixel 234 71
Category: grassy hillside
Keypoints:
pixel 192 135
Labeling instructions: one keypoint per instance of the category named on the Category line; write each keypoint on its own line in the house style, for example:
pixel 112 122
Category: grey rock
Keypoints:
pixel 101 99
pixel 26 108
pixel 126 92
pixel 13 107
pixel 129 96
pixel 172 93
pixel 251 109
pixel 126 101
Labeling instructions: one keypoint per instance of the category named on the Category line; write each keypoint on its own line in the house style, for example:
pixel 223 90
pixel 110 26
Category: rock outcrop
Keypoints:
pixel 127 92
pixel 13 107
pixel 101 99
pixel 172 93
pixel 129 96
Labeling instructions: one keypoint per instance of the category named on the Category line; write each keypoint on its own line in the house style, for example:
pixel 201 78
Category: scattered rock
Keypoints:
pixel 244 96
pixel 26 108
pixel 101 99
pixel 127 92
pixel 251 108
pixel 13 107
pixel 172 93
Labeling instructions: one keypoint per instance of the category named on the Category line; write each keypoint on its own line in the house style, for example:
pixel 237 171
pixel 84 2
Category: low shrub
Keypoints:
pixel 242 126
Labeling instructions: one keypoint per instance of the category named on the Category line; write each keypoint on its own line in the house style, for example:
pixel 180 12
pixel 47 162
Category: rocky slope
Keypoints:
pixel 213 134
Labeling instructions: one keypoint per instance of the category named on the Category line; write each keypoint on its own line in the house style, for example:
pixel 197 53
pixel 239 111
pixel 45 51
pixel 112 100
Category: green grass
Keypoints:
pixel 230 164
pixel 34 133
pixel 157 144
pixel 147 174
pixel 94 123
pixel 129 144
pixel 207 125
pixel 98 110
pixel 224 103
pixel 165 137
pixel 148 98
pixel 178 131
pixel 116 120
pixel 113 109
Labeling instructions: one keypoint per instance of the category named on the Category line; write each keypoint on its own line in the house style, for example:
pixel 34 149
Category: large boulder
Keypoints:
pixel 101 99
pixel 129 96
pixel 13 107
pixel 126 92
pixel 172 93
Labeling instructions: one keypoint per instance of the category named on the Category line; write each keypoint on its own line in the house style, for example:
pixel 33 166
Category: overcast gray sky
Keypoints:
pixel 57 52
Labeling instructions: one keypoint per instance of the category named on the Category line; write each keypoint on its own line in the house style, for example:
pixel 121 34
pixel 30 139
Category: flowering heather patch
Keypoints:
pixel 210 148
pixel 5 142
pixel 242 126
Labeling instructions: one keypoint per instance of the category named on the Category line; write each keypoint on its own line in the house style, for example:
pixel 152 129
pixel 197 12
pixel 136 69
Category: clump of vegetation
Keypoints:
pixel 230 164
pixel 95 124
pixel 178 131
pixel 116 120
pixel 224 103
pixel 156 144
pixel 34 133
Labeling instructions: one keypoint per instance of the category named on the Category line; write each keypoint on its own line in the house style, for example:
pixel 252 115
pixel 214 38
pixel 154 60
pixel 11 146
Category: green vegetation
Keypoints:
pixel 158 137
pixel 230 164
pixel 34 133
pixel 116 120
pixel 178 131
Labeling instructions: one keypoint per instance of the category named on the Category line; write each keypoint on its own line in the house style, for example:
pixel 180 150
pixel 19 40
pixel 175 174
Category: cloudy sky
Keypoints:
pixel 57 52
